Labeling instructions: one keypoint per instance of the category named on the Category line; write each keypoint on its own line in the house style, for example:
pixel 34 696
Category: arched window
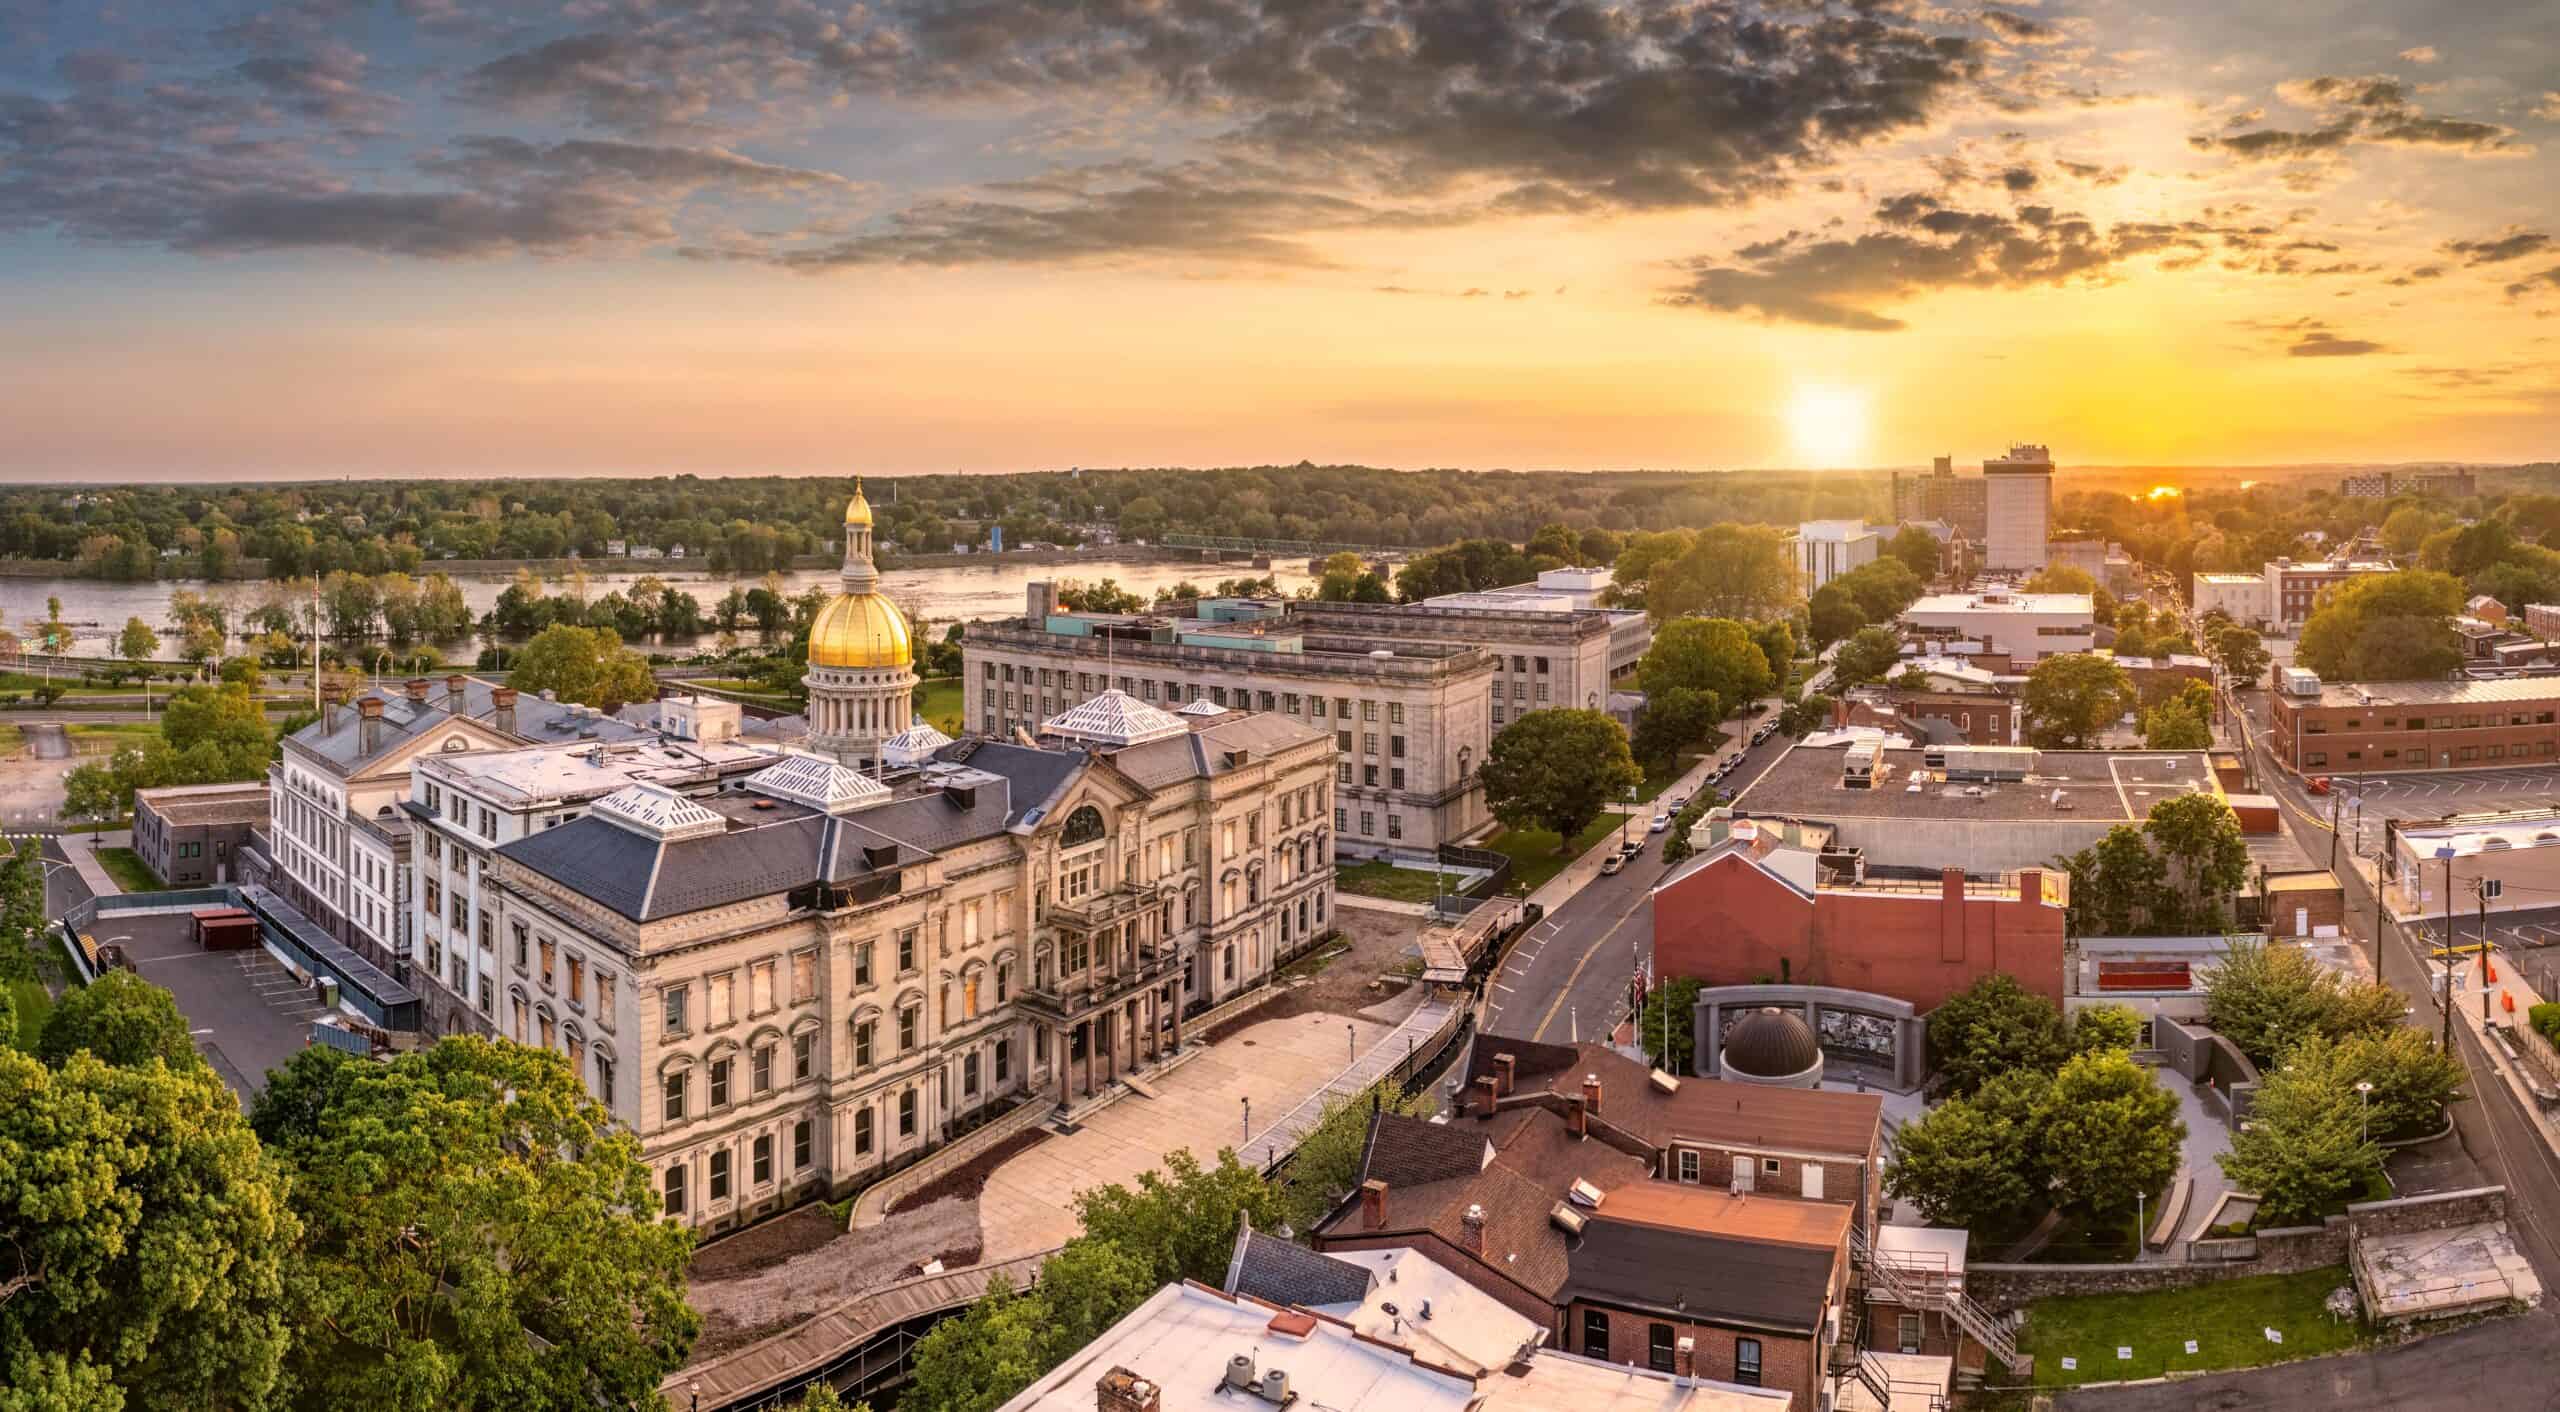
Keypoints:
pixel 1083 826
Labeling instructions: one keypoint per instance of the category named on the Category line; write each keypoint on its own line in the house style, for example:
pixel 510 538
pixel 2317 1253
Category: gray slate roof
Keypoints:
pixel 337 737
pixel 1290 1275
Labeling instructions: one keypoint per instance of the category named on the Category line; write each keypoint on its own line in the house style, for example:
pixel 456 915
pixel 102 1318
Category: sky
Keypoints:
pixel 452 237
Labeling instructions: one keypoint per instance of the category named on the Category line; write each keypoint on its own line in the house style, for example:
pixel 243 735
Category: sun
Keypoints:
pixel 1828 425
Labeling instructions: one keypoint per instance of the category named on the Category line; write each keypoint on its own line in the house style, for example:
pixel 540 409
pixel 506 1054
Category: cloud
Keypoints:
pixel 2423 54
pixel 2515 244
pixel 2546 282
pixel 2417 275
pixel 1921 245
pixel 2549 107
pixel 2328 345
pixel 2372 110
pixel 325 85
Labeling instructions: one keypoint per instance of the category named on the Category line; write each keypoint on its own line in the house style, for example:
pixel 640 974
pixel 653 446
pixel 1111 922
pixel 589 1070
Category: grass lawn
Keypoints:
pixel 1533 851
pixel 129 871
pixel 12 740
pixel 33 1004
pixel 106 738
pixel 1378 879
pixel 939 704
pixel 2226 1320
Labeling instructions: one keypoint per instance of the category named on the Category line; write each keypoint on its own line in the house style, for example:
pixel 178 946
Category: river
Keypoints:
pixel 97 610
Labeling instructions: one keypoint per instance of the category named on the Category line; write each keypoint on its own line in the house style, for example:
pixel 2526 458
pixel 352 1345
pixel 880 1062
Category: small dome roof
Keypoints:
pixel 857 511
pixel 1770 1044
pixel 860 630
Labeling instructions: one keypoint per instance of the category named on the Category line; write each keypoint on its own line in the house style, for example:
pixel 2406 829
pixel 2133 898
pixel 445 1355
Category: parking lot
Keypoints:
pixel 246 1013
pixel 2434 794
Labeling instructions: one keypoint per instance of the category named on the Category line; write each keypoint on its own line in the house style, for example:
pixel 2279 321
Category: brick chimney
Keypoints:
pixel 1505 1074
pixel 1487 1089
pixel 1577 1118
pixel 417 689
pixel 331 696
pixel 1471 1230
pixel 368 724
pixel 1684 1357
pixel 502 700
pixel 2031 886
pixel 453 692
pixel 1591 1092
pixel 1373 1204
pixel 1123 1391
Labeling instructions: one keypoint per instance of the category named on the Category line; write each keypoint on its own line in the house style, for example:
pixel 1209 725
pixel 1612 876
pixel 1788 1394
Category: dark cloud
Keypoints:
pixel 97 68
pixel 325 85
pixel 2375 109
pixel 2018 29
pixel 2544 283
pixel 2514 245
pixel 2323 344
pixel 1923 245
pixel 440 225
pixel 2417 275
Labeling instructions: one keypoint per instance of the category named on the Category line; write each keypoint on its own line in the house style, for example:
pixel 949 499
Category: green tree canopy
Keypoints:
pixel 1729 571
pixel 585 665
pixel 1917 549
pixel 2172 725
pixel 143 1240
pixel 2240 652
pixel 137 642
pixel 2383 627
pixel 1182 1220
pixel 1558 769
pixel 1665 1025
pixel 1714 655
pixel 2305 1147
pixel 2061 578
pixel 122 1019
pixel 2202 853
pixel 1831 615
pixel 1323 1169
pixel 2072 698
pixel 1777 642
pixel 1867 656
pixel 2110 1132
pixel 2268 996
pixel 1672 722
pixel 455 1200
pixel 1104 597
pixel 1963 1164
pixel 1882 588
pixel 1991 1027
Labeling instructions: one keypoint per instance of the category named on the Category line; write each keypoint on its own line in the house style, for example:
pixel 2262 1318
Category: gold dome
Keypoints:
pixel 858 510
pixel 860 630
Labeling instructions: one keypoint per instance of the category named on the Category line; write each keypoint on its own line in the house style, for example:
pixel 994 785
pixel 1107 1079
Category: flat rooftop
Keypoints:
pixel 247 1014
pixel 208 804
pixel 536 774
pixel 2006 602
pixel 2496 691
pixel 2081 786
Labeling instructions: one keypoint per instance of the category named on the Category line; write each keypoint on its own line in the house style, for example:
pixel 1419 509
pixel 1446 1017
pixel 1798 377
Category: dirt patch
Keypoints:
pixel 966 1255
pixel 767 1243
pixel 1372 945
pixel 969 1178
pixel 763 1299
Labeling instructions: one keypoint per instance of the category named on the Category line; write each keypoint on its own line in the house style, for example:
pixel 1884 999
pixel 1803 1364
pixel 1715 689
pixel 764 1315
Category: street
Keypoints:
pixel 1568 977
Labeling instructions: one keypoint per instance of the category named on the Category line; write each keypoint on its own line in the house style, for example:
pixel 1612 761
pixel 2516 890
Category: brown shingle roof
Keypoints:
pixel 1710 1112
pixel 1405 1151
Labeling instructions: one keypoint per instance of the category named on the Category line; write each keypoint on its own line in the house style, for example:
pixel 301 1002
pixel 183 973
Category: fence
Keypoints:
pixel 1496 868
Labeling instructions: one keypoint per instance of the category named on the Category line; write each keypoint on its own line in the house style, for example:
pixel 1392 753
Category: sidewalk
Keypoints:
pixel 84 859
pixel 1577 874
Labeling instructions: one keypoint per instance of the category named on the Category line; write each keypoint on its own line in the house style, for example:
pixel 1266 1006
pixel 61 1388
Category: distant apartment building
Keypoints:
pixel 2543 620
pixel 1826 549
pixel 1942 495
pixel 1411 694
pixel 2382 485
pixel 2027 627
pixel 2282 596
pixel 2107 565
pixel 2017 509
pixel 2356 728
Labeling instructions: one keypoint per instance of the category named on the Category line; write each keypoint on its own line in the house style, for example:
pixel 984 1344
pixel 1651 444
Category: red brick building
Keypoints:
pixel 1750 911
pixel 2367 728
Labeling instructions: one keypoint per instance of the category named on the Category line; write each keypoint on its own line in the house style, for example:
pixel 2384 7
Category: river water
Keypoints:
pixel 97 610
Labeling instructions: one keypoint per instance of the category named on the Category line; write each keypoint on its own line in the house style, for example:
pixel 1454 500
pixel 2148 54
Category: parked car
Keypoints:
pixel 1678 803
pixel 1660 822
pixel 1614 863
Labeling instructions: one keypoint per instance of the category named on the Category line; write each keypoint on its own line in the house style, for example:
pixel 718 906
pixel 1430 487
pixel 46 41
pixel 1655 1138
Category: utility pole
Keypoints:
pixel 2333 830
pixel 2446 853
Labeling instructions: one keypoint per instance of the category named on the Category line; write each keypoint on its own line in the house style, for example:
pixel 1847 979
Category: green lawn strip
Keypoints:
pixel 941 706
pixel 111 736
pixel 129 871
pixel 1380 879
pixel 2227 1320
pixel 1533 851
pixel 33 1003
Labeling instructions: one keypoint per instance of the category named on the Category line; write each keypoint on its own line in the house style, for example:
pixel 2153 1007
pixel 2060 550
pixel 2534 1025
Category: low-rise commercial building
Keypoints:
pixel 2028 627
pixel 2384 727
pixel 1826 549
pixel 2281 596
pixel 190 835
pixel 2507 861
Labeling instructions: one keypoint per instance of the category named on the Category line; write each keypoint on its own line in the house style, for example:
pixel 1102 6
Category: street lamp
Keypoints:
pixel 1351 1039
pixel 2445 852
pixel 2364 1092
pixel 1248 1118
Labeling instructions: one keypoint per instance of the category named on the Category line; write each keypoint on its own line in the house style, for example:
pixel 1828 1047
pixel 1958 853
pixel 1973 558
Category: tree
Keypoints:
pixel 2304 1148
pixel 1991 1027
pixel 221 733
pixel 2172 726
pixel 1729 571
pixel 1646 552
pixel 1963 1165
pixel 1665 1025
pixel 976 1360
pixel 457 1199
pixel 1882 588
pixel 1181 1220
pixel 1558 769
pixel 1104 597
pixel 2105 1029
pixel 1867 656
pixel 143 1236
pixel 1554 541
pixel 2110 1132
pixel 1672 722
pixel 1831 614
pixel 2240 652
pixel 1808 713
pixel 137 642
pixel 2072 698
pixel 586 665
pixel 2407 527
pixel 1777 642
pixel 1327 1162
pixel 2268 996
pixel 2203 857
pixel 1088 1286
pixel 1346 578
pixel 124 1020
pixel 1917 549
pixel 2061 578
pixel 2383 626
pixel 2412 1080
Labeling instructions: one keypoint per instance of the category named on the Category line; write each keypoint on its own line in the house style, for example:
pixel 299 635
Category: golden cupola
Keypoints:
pixel 860 627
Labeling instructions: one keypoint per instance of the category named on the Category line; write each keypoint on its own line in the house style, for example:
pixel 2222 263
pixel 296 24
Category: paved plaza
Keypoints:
pixel 247 1014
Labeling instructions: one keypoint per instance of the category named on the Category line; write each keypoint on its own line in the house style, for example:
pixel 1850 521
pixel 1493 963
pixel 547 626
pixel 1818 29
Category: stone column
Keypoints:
pixel 1177 1015
pixel 1058 1048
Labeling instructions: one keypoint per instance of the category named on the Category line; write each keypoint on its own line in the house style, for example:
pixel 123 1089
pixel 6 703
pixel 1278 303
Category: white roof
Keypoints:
pixel 912 745
pixel 1918 1382
pixel 2466 837
pixel 1467 1329
pixel 655 811
pixel 1182 1338
pixel 1566 1382
pixel 820 783
pixel 1114 718
pixel 541 774
pixel 1924 1247
pixel 1202 707
pixel 2004 601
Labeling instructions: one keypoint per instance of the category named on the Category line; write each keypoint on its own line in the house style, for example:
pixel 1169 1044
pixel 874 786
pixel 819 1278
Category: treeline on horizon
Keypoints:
pixel 749 526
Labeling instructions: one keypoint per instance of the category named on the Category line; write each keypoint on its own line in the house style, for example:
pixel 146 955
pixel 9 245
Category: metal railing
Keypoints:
pixel 1914 1283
